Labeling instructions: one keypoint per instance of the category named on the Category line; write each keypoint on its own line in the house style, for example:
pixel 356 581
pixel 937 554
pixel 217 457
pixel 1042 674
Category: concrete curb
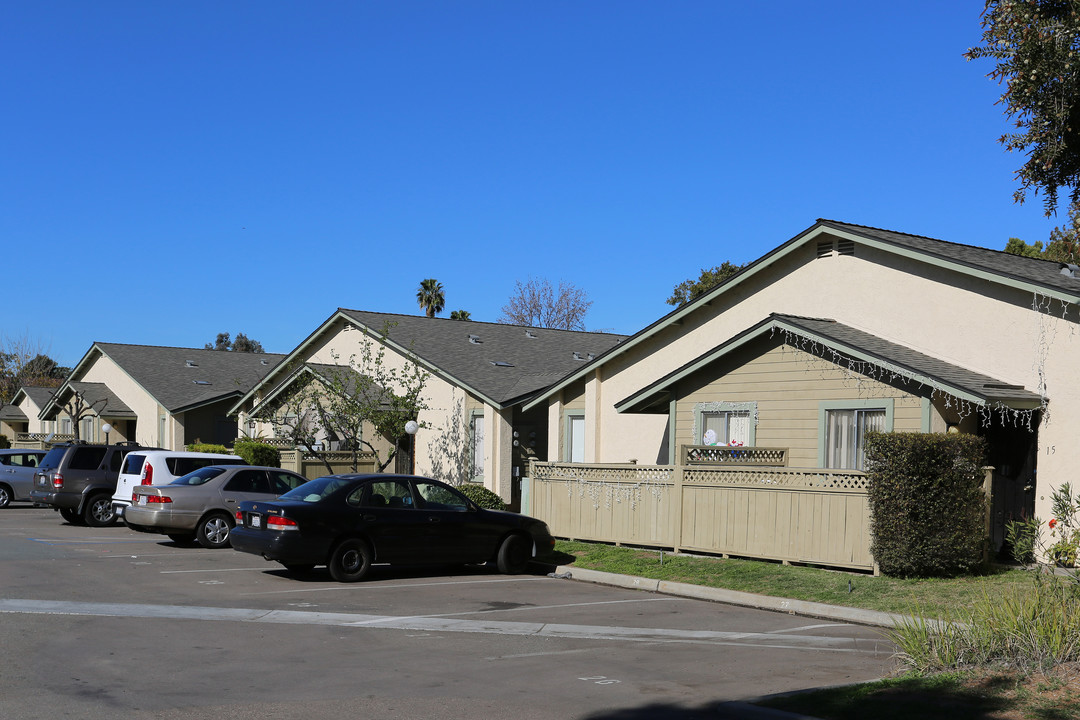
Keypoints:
pixel 732 597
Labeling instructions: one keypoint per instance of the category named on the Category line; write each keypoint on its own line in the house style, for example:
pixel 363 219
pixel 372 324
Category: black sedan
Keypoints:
pixel 348 522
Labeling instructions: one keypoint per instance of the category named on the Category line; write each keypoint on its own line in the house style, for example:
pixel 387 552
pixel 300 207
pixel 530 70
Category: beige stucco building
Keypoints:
pixel 840 330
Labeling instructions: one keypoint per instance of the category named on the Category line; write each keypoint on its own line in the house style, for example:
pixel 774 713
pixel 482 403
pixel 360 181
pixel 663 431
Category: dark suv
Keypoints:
pixel 78 479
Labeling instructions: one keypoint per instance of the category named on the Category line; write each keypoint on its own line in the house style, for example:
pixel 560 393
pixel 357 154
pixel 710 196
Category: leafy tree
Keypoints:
pixel 536 303
pixel 341 402
pixel 242 344
pixel 1063 246
pixel 1035 44
pixel 687 290
pixel 430 297
pixel 460 315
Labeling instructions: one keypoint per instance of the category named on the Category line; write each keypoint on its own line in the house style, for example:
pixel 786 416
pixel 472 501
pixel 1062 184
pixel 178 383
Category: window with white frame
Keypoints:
pixel 65 426
pixel 87 428
pixel 476 437
pixel 845 435
pixel 726 426
pixel 575 437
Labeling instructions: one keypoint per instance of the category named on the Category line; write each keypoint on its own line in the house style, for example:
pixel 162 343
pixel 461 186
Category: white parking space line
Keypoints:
pixel 61 541
pixel 536 629
pixel 807 627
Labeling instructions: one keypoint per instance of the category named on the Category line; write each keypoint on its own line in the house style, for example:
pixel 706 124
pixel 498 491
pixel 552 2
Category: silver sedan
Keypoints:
pixel 202 504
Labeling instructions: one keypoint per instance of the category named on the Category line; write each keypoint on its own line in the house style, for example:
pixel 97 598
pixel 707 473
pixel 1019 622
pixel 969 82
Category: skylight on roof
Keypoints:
pixel 201 382
pixel 501 363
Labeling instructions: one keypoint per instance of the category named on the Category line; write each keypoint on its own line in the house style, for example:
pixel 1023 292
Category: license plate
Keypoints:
pixel 255 521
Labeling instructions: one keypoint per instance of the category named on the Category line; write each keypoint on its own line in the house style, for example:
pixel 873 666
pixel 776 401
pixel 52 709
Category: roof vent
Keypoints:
pixel 845 247
pixel 474 339
pixel 579 356
pixel 349 326
pixel 1069 270
pixel 501 363
pixel 592 356
pixel 264 362
pixel 530 334
pixel 201 382
pixel 824 249
pixel 190 363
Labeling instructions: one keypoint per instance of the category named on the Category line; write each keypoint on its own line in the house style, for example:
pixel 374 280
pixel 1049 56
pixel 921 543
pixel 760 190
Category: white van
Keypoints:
pixel 160 467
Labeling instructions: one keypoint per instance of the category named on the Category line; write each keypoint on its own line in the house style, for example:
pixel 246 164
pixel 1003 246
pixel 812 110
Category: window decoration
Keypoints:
pixel 703 409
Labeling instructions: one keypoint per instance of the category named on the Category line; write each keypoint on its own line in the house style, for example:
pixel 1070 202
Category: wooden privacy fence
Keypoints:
pixel 310 466
pixel 819 517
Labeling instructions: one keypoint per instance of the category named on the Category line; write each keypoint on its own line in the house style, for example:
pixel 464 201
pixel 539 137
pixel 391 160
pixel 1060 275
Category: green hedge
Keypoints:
pixel 257 453
pixel 482 496
pixel 927 507
pixel 208 448
pixel 4 442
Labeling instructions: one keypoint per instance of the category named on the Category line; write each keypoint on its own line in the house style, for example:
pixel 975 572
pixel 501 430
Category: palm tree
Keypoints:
pixel 461 315
pixel 430 297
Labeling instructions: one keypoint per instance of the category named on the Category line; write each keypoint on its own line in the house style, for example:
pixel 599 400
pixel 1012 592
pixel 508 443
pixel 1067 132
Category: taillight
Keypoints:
pixel 58 480
pixel 150 498
pixel 147 474
pixel 275 522
pixel 239 517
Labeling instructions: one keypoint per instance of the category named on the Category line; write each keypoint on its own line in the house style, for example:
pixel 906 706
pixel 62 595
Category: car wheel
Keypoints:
pixel 182 538
pixel 5 495
pixel 213 531
pixel 350 561
pixel 99 511
pixel 514 555
pixel 71 515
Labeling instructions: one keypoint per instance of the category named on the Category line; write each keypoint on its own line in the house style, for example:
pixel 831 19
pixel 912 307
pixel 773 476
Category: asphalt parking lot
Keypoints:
pixel 104 621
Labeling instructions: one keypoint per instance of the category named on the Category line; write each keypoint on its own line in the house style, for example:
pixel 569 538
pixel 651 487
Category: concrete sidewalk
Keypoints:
pixel 731 597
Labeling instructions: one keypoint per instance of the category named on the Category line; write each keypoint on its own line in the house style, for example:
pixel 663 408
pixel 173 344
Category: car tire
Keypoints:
pixel 514 554
pixel 71 515
pixel 98 511
pixel 350 560
pixel 184 539
pixel 213 531
pixel 5 495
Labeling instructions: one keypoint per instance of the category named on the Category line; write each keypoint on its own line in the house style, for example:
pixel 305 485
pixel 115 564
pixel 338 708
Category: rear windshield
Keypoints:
pixel 53 457
pixel 185 465
pixel 199 476
pixel 317 489
pixel 133 464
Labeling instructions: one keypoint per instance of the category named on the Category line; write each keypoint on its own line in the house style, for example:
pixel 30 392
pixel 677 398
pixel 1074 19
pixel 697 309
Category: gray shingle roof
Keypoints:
pixel 38 395
pixel 505 362
pixel 12 413
pixel 104 400
pixel 1046 273
pixel 183 378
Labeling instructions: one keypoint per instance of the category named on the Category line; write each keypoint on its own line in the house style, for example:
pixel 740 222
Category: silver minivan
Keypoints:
pixel 160 467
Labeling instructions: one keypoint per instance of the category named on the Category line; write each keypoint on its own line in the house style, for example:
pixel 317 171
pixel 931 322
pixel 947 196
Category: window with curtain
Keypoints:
pixel 729 426
pixel 845 436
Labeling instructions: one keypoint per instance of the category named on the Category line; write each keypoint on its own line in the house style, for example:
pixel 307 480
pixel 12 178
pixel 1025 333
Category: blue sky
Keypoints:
pixel 171 170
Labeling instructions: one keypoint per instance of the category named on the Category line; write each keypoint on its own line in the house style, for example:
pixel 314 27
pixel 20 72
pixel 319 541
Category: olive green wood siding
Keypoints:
pixel 788 386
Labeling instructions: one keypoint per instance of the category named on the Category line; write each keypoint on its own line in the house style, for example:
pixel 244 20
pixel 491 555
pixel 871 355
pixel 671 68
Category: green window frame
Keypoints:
pixel 858 407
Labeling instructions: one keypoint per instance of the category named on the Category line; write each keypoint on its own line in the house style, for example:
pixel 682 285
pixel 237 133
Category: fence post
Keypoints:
pixel 677 496
pixel 988 491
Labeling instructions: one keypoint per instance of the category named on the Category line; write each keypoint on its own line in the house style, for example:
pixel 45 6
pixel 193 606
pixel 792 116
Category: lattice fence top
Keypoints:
pixel 702 454
pixel 749 477
pixel 604 473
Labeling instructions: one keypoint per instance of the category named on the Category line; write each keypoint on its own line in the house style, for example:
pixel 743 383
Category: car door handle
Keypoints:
pixel 432 518
pixel 230 500
pixel 368 518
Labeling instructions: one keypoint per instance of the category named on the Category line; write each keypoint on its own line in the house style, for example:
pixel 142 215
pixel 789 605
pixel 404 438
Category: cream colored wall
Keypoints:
pixel 789 386
pixel 972 323
pixel 103 370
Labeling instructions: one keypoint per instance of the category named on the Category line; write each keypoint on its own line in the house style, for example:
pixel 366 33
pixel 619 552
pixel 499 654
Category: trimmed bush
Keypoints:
pixel 208 448
pixel 4 442
pixel 482 496
pixel 257 453
pixel 927 506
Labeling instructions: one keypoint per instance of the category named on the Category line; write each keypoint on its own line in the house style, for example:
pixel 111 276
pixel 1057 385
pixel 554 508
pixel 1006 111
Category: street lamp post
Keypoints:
pixel 106 428
pixel 410 428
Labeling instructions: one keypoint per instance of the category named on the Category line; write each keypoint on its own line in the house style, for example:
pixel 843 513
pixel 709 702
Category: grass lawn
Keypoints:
pixel 1000 693
pixel 928 597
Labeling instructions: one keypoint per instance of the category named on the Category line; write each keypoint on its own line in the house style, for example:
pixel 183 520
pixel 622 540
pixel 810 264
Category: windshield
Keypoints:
pixel 317 489
pixel 199 477
pixel 53 457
